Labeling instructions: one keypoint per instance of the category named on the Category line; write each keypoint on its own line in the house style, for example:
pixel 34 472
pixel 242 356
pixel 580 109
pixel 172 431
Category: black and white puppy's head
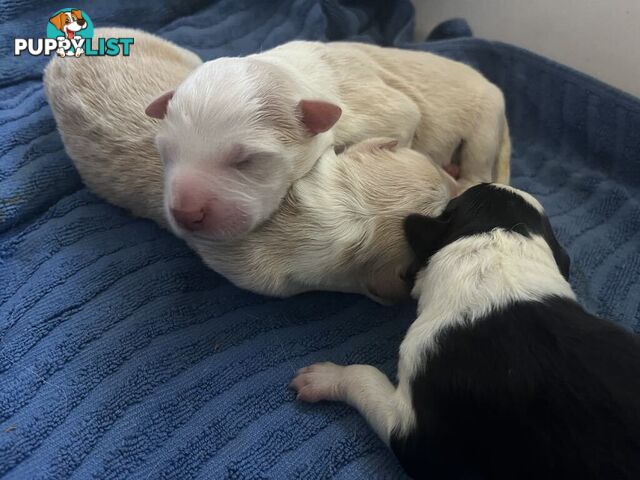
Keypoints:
pixel 480 209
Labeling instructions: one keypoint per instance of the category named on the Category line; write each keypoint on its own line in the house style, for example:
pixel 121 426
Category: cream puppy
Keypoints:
pixel 337 228
pixel 98 104
pixel 238 132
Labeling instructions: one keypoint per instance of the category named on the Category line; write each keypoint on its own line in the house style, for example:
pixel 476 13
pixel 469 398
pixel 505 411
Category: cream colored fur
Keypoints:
pixel 437 106
pixel 98 104
pixel 339 227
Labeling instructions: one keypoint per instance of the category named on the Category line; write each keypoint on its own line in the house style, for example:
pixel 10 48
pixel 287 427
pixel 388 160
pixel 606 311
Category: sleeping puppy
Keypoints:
pixel 503 374
pixel 238 132
pixel 339 227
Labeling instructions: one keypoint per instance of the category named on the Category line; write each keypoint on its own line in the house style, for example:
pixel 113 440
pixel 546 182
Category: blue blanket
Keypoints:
pixel 122 356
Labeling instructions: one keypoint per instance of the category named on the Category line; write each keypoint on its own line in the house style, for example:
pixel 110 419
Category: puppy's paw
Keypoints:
pixel 61 52
pixel 79 52
pixel 317 382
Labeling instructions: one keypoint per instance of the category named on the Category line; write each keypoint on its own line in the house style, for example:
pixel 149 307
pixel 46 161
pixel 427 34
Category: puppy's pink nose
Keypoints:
pixel 190 196
pixel 191 220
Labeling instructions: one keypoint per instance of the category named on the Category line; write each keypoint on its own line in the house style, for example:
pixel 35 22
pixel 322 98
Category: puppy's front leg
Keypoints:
pixel 363 387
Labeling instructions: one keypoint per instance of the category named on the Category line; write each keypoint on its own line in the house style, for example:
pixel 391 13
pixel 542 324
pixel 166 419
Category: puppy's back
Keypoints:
pixel 454 101
pixel 99 103
pixel 538 390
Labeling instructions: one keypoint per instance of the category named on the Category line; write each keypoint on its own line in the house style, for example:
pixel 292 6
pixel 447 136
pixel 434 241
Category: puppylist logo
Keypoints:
pixel 70 34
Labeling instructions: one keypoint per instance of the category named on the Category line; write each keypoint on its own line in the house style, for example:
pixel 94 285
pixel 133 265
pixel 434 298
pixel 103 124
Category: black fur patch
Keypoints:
pixel 480 209
pixel 539 390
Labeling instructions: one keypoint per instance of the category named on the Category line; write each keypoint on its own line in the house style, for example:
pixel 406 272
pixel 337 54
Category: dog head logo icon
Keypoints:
pixel 72 25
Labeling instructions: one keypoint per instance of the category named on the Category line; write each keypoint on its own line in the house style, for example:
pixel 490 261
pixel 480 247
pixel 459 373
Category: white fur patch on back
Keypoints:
pixel 473 276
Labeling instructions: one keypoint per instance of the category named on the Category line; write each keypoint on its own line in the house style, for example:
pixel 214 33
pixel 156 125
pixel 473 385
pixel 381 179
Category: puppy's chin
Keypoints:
pixel 227 232
pixel 231 229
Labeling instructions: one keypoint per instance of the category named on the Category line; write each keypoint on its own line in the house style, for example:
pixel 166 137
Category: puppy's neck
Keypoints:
pixel 472 276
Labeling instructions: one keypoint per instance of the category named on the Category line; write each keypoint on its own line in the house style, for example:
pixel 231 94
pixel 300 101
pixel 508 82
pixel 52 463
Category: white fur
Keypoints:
pixel 363 387
pixel 221 106
pixel 469 278
pixel 340 227
pixel 440 107
pixel 465 280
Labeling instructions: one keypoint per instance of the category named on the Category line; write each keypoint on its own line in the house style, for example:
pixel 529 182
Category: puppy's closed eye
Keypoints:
pixel 244 163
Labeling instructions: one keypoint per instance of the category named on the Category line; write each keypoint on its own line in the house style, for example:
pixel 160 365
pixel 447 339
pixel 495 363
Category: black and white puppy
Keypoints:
pixel 502 375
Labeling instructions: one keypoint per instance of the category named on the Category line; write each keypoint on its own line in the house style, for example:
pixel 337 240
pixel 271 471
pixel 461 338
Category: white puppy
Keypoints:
pixel 338 228
pixel 238 132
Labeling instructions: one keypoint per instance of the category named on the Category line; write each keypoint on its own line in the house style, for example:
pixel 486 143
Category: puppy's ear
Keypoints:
pixel 424 234
pixel 382 143
pixel 388 144
pixel 77 13
pixel 318 116
pixel 58 20
pixel 158 108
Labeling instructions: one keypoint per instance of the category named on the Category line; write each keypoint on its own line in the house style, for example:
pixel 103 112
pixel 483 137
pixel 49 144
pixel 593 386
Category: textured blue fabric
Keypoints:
pixel 122 356
pixel 453 28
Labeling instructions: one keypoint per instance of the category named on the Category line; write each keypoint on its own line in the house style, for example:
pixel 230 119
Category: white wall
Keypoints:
pixel 598 37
